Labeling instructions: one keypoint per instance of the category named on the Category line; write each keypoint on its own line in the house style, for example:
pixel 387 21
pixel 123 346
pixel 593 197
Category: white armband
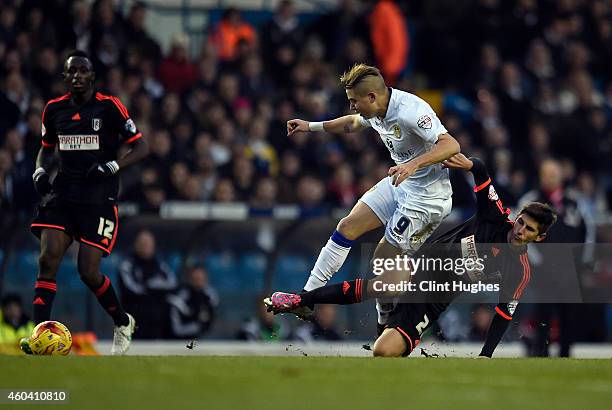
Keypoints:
pixel 316 126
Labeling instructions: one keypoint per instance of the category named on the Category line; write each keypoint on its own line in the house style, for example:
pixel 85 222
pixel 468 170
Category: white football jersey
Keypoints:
pixel 411 128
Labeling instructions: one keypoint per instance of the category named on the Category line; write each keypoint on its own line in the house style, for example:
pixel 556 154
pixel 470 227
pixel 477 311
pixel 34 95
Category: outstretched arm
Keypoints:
pixel 345 124
pixel 511 291
pixel 496 331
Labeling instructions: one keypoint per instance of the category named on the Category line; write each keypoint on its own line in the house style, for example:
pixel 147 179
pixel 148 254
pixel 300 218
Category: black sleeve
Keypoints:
pixel 47 129
pixel 496 331
pixel 488 203
pixel 127 129
pixel 512 287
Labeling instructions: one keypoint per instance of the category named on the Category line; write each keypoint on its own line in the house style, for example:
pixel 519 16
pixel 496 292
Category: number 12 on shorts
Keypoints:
pixel 106 228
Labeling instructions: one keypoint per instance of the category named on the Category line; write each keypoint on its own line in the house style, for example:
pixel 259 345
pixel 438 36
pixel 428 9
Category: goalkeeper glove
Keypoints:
pixel 103 170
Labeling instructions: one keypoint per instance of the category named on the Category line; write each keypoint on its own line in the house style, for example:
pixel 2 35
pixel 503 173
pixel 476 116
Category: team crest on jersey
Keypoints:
pixel 397 132
pixel 512 306
pixel 492 194
pixel 130 126
pixel 96 124
pixel 424 122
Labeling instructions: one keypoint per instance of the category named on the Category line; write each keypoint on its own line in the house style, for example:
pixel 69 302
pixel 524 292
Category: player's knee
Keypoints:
pixel 48 262
pixel 386 350
pixel 348 228
pixel 389 344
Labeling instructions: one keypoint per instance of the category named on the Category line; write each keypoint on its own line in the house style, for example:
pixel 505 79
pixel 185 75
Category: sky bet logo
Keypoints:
pixel 79 142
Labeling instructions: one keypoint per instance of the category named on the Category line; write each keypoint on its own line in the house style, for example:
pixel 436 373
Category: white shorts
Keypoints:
pixel 409 219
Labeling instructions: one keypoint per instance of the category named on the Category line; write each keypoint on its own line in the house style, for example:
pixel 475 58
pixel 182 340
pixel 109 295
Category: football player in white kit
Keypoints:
pixel 413 200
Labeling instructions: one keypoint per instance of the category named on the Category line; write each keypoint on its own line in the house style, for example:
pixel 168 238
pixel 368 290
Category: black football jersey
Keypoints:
pixel 83 136
pixel 485 236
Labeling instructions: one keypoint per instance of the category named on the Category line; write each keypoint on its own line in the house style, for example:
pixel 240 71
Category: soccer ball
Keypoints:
pixel 51 338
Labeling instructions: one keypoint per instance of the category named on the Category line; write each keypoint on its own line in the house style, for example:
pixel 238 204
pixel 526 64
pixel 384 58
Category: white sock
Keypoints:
pixel 384 309
pixel 330 260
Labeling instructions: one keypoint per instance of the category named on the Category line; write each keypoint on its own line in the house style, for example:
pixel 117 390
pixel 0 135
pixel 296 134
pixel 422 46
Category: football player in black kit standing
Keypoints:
pixel 488 235
pixel 84 129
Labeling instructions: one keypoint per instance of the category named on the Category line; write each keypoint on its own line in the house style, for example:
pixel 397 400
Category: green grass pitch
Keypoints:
pixel 199 382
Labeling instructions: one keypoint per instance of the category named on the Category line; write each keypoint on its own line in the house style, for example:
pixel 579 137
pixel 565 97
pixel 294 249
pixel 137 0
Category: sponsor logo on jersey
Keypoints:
pixel 43 130
pixel 468 247
pixel 130 126
pixel 424 122
pixel 492 194
pixel 469 251
pixel 96 124
pixel 512 306
pixel 79 142
pixel 400 155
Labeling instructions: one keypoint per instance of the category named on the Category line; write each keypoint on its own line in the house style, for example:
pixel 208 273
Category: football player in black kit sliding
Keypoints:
pixel 501 245
pixel 84 129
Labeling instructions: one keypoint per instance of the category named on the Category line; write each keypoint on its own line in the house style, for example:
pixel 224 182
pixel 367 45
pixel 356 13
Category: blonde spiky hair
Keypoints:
pixel 362 73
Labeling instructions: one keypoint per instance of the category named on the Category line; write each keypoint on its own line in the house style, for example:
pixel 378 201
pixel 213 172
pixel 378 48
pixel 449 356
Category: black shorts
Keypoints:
pixel 93 225
pixel 412 319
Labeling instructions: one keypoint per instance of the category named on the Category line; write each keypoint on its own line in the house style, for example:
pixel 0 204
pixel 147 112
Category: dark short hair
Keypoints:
pixel 77 53
pixel 543 214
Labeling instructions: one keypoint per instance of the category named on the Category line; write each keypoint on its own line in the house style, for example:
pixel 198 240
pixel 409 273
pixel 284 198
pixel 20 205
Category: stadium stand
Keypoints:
pixel 516 82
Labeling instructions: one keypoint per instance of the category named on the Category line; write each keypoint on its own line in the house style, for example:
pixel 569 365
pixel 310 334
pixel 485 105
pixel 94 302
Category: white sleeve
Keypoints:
pixel 424 122
pixel 364 123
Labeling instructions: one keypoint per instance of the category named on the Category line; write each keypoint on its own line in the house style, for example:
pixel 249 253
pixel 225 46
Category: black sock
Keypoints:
pixel 44 293
pixel 345 293
pixel 310 305
pixel 108 300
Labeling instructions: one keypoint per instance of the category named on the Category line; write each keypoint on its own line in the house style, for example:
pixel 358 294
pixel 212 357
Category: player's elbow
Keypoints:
pixel 146 149
pixel 141 149
pixel 454 146
pixel 451 145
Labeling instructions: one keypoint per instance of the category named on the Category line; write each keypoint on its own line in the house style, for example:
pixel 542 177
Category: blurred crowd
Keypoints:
pixel 516 82
pixel 519 83
pixel 164 306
